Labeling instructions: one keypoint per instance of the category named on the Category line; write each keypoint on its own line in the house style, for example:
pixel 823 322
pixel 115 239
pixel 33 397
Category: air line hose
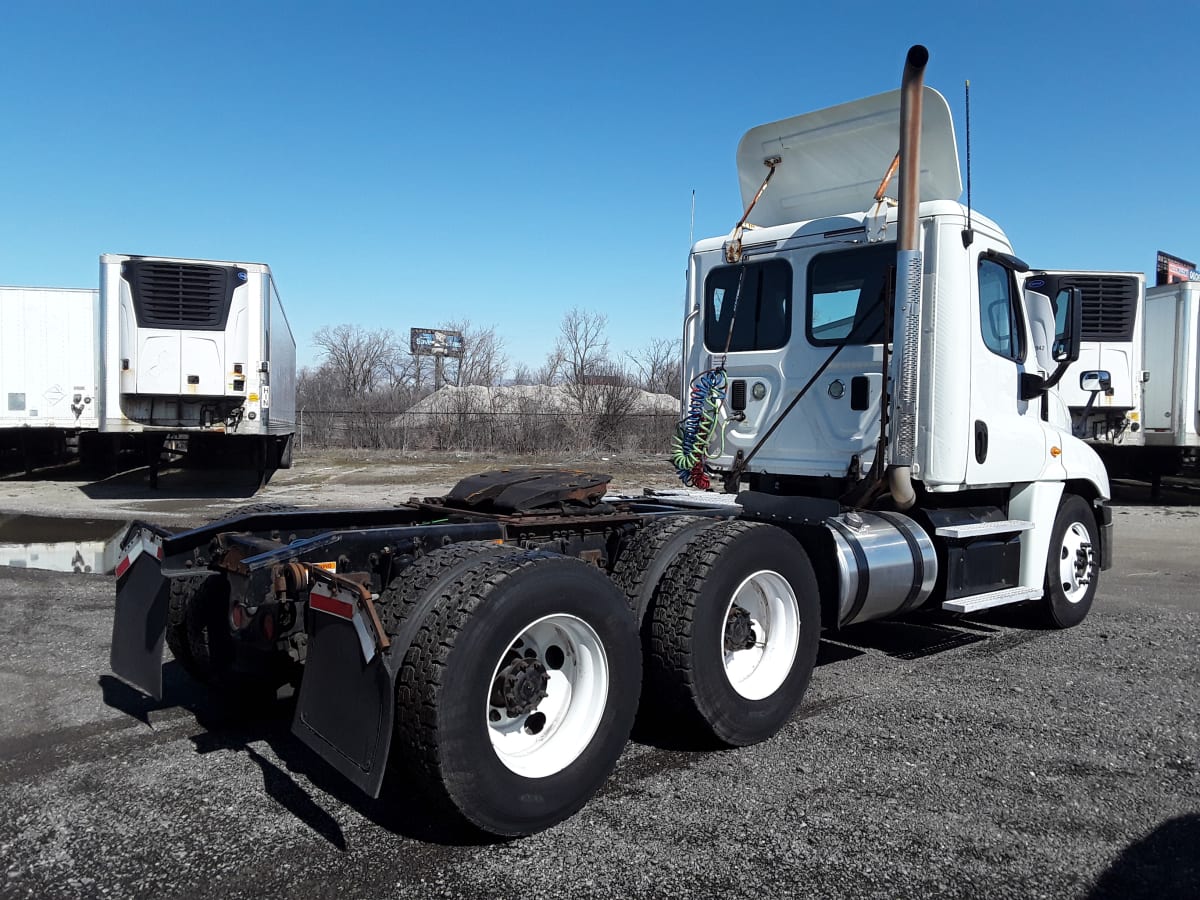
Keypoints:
pixel 694 433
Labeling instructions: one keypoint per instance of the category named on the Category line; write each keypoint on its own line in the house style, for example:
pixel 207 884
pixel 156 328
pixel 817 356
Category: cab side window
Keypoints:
pixel 999 314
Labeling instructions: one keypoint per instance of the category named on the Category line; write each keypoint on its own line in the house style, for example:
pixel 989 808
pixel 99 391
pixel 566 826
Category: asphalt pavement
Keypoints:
pixel 933 757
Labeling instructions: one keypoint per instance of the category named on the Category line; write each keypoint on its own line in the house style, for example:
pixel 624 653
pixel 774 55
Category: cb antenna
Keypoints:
pixel 692 225
pixel 968 235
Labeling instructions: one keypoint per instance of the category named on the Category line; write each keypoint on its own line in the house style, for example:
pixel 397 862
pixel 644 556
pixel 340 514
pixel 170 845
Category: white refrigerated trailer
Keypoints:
pixel 1172 396
pixel 199 348
pixel 1103 388
pixel 47 369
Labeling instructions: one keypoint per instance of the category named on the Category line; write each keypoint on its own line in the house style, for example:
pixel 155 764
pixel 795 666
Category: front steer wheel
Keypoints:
pixel 519 691
pixel 1072 566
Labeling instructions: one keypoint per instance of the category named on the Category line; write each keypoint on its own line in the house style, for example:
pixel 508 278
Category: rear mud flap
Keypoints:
pixel 140 624
pixel 346 705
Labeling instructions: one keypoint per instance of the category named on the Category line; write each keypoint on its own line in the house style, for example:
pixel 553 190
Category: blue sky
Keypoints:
pixel 405 164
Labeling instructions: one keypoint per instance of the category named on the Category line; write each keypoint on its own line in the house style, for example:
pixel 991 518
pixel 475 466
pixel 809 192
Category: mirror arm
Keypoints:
pixel 1056 376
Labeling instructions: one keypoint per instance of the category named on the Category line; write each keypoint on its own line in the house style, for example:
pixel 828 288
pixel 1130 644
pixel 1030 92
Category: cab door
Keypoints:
pixel 1009 442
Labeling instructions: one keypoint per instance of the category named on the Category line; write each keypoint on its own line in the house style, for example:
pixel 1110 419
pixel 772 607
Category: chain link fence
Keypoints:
pixel 510 432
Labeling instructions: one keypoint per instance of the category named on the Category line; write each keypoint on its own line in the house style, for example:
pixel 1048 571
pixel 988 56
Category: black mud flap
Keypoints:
pixel 140 622
pixel 347 704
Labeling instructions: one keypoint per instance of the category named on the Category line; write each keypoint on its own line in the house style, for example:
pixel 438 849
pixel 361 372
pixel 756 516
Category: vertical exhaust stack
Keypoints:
pixel 906 329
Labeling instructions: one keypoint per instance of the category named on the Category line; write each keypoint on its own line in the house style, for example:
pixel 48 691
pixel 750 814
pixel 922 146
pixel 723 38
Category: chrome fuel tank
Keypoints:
pixel 886 564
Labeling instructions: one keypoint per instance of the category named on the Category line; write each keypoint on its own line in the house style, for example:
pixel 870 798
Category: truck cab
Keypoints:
pixel 833 380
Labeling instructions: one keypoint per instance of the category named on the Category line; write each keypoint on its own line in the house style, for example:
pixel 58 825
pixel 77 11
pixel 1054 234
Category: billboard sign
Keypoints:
pixel 436 342
pixel 1171 269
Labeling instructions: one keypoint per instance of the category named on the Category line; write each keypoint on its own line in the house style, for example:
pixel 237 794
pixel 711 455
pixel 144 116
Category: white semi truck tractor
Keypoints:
pixel 871 389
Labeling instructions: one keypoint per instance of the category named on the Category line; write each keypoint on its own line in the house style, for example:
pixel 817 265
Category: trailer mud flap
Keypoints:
pixel 140 622
pixel 346 705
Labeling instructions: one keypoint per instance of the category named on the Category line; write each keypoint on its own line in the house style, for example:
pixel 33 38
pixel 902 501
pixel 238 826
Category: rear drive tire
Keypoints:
pixel 647 554
pixel 517 696
pixel 430 574
pixel 736 623
pixel 1072 565
pixel 198 634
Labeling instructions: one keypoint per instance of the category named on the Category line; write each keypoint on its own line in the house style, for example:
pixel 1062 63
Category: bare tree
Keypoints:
pixel 551 371
pixel 582 344
pixel 657 366
pixel 522 374
pixel 355 356
pixel 483 361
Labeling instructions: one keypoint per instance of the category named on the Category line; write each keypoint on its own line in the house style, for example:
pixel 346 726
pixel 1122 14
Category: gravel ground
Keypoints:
pixel 931 757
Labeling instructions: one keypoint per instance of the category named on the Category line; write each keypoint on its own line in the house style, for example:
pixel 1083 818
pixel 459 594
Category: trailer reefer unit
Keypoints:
pixel 1103 388
pixel 47 367
pixel 891 448
pixel 197 347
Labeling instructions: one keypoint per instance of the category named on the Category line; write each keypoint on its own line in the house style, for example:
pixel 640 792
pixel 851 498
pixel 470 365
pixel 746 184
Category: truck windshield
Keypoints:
pixel 755 299
pixel 847 290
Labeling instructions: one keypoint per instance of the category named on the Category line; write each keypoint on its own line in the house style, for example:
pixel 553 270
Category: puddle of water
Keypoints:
pixel 60 545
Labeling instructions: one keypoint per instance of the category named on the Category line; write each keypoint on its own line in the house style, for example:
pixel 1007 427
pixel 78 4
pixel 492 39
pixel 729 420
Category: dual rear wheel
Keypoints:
pixel 518 691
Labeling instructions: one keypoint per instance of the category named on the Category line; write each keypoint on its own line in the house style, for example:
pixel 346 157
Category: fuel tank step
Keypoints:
pixel 990 599
pixel 980 529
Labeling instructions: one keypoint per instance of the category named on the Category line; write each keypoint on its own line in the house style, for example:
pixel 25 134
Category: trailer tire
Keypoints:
pixel 1072 565
pixel 734 582
pixel 283 451
pixel 644 558
pixel 513 744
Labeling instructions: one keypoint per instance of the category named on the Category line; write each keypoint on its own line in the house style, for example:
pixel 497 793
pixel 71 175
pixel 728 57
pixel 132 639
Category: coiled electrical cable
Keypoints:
pixel 694 433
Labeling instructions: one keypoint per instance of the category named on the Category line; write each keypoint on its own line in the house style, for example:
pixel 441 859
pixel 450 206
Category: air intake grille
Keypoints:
pixel 181 295
pixel 1109 305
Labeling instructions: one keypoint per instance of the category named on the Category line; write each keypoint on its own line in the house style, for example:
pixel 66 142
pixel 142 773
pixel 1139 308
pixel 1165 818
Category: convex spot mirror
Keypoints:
pixel 1095 380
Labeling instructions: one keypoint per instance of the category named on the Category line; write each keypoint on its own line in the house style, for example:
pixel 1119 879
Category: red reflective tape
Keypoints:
pixel 331 605
pixel 134 552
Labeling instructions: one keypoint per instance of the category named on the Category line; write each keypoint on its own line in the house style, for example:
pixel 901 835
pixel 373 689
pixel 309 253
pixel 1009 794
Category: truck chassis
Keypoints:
pixel 488 646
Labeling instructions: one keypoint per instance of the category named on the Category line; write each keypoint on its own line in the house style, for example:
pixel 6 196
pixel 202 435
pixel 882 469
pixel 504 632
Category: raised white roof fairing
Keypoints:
pixel 833 159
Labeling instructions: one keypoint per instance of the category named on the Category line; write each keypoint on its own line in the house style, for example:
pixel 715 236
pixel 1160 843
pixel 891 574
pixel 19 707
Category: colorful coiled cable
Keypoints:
pixel 694 434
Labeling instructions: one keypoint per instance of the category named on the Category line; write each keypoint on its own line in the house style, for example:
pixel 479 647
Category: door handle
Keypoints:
pixel 981 441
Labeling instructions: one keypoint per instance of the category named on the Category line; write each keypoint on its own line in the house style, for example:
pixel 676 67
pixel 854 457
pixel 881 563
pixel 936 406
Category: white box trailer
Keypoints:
pixel 47 368
pixel 196 347
pixel 1103 388
pixel 1172 396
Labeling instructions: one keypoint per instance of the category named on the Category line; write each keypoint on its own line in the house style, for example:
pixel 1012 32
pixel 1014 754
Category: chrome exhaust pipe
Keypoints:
pixel 906 332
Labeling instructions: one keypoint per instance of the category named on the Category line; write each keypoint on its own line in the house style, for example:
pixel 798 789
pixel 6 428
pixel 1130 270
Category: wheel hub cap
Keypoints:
pixel 520 687
pixel 739 630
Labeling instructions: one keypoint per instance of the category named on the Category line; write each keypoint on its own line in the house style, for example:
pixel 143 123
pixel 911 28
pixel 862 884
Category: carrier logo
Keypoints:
pixel 241 276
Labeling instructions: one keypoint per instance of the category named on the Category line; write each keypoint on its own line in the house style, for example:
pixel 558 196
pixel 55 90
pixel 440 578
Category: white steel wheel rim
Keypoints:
pixel 757 671
pixel 1076 554
pixel 548 737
